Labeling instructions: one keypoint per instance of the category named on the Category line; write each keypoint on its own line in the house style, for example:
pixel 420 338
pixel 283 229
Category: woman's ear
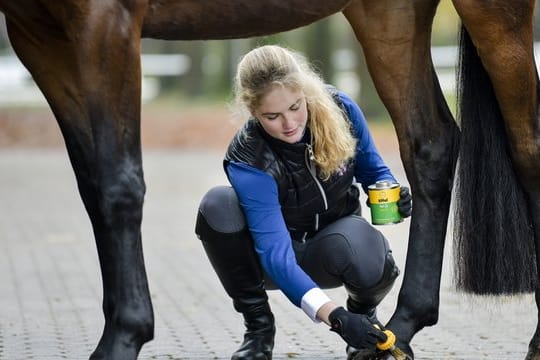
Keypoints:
pixel 253 115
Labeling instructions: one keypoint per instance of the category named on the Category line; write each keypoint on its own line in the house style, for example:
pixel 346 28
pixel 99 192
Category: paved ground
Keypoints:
pixel 50 290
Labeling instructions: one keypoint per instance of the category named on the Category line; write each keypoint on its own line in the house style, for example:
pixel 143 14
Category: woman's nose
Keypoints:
pixel 288 120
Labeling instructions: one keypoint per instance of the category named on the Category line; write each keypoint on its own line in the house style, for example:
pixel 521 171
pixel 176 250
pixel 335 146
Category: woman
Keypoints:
pixel 291 220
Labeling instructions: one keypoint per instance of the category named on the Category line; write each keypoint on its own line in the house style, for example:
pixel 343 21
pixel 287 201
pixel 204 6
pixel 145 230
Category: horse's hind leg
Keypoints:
pixel 89 72
pixel 502 33
pixel 395 36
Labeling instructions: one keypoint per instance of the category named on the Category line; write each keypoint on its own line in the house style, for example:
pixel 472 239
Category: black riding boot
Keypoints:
pixel 229 247
pixel 259 336
pixel 365 301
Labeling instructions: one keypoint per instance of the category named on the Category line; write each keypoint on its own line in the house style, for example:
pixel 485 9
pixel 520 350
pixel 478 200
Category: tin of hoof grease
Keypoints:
pixel 383 198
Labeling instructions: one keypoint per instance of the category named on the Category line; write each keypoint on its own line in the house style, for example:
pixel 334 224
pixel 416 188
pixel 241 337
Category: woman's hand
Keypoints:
pixel 355 329
pixel 405 202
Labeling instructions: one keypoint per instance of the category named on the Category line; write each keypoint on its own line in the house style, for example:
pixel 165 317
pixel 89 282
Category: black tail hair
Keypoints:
pixel 493 238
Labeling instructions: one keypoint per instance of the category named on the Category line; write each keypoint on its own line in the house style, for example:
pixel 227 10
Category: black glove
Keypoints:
pixel 355 329
pixel 405 202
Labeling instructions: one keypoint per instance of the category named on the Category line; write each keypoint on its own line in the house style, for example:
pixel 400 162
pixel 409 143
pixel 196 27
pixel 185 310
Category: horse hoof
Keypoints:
pixel 534 353
pixel 403 352
pixel 355 354
pixel 363 356
pixel 380 355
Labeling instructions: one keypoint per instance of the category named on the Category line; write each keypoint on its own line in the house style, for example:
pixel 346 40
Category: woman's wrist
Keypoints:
pixel 325 310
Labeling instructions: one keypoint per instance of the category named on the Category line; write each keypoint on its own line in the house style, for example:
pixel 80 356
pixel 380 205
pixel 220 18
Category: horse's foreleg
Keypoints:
pixel 534 344
pixel 89 72
pixel 395 37
pixel 503 35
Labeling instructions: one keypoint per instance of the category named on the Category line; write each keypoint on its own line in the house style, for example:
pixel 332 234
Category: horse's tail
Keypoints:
pixel 493 238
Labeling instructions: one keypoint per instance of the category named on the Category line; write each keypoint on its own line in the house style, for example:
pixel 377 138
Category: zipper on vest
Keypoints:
pixel 311 167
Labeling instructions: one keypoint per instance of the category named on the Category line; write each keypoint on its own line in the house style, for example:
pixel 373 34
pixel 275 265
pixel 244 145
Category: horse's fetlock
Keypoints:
pixel 422 310
pixel 431 317
pixel 137 322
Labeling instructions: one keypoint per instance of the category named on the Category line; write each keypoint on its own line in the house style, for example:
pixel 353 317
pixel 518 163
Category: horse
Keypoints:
pixel 85 57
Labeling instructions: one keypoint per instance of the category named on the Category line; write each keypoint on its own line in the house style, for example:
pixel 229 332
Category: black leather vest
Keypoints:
pixel 308 203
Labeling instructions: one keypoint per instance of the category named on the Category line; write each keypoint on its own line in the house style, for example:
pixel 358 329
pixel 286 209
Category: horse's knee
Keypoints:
pixel 433 164
pixel 122 196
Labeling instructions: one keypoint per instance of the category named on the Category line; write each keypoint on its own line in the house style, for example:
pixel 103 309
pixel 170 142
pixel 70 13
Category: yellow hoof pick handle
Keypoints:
pixel 389 345
pixel 390 340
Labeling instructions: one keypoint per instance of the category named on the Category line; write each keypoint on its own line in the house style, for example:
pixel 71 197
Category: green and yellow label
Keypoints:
pixel 383 198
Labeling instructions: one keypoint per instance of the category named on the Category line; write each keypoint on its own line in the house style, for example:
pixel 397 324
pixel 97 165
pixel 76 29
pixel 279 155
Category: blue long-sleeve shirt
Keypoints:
pixel 258 195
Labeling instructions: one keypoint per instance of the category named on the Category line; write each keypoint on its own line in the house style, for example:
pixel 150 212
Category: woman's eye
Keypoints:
pixel 295 108
pixel 271 117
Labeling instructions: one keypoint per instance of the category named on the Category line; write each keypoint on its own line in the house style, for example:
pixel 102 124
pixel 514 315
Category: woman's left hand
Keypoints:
pixel 405 202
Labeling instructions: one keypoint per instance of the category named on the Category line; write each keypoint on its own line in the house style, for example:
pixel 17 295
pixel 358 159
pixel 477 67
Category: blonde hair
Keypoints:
pixel 266 66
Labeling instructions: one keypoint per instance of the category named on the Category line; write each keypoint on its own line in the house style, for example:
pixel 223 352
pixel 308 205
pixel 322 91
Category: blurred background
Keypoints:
pixel 187 84
pixel 53 285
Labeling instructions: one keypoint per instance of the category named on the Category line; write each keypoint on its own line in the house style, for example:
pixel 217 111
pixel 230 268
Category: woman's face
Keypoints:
pixel 283 113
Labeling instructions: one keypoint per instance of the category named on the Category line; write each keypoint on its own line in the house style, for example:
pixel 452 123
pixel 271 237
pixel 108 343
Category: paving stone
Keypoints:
pixel 50 298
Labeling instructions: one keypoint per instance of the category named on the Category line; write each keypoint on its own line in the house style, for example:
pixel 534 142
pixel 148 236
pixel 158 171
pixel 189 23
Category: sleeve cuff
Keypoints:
pixel 312 302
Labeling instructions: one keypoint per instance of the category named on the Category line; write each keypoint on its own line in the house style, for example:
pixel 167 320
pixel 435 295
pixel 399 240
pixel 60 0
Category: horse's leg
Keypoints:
pixel 502 32
pixel 395 36
pixel 86 61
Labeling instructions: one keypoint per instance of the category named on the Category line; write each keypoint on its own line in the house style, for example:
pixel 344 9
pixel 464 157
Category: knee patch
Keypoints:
pixel 219 214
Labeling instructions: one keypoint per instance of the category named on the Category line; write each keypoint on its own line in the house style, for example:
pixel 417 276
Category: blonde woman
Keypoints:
pixel 291 220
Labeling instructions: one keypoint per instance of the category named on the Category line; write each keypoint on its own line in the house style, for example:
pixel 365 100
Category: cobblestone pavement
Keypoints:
pixel 50 298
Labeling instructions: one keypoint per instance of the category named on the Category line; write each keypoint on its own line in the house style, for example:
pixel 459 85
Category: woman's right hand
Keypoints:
pixel 355 329
pixel 405 202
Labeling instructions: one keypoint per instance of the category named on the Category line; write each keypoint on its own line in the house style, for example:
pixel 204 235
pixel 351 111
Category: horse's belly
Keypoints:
pixel 226 19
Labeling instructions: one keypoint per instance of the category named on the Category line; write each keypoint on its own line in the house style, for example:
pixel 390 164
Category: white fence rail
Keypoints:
pixel 18 88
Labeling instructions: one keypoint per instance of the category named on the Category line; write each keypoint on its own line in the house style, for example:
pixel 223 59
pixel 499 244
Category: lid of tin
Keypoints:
pixel 383 184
